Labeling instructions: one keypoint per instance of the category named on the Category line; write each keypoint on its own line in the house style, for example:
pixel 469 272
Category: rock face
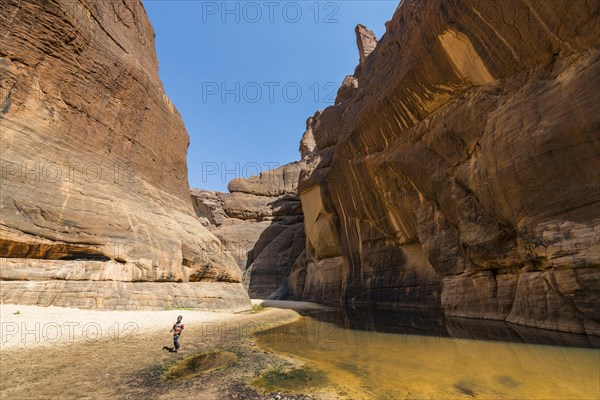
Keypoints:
pixel 260 222
pixel 459 168
pixel 95 199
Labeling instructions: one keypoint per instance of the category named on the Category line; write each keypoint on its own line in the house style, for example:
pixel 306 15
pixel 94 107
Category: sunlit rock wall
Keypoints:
pixel 95 206
pixel 459 167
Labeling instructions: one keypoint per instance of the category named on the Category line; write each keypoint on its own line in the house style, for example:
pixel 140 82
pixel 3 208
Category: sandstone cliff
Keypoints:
pixel 95 207
pixel 459 167
pixel 260 222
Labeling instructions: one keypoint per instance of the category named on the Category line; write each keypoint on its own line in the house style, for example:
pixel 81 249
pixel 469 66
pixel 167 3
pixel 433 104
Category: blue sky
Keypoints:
pixel 246 75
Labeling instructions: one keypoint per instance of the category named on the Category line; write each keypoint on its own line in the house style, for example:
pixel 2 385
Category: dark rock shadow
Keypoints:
pixel 271 259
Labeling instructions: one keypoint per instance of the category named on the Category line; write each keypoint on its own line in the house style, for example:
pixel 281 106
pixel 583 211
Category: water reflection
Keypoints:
pixel 374 354
pixel 412 321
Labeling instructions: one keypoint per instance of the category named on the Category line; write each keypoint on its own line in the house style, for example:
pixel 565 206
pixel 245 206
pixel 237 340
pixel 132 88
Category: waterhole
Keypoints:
pixel 435 359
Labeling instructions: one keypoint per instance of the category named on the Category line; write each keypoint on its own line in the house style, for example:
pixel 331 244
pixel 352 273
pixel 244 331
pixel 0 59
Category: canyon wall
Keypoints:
pixel 459 167
pixel 95 206
pixel 260 222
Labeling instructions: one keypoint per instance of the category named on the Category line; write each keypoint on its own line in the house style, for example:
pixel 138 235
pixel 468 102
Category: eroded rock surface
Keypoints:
pixel 260 222
pixel 95 207
pixel 366 41
pixel 459 168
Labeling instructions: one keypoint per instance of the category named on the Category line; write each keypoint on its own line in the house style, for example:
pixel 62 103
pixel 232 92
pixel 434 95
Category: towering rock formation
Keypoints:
pixel 95 207
pixel 260 222
pixel 459 168
pixel 366 42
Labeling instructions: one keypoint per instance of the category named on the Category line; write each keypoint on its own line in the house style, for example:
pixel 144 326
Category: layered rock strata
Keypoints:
pixel 459 167
pixel 95 207
pixel 260 222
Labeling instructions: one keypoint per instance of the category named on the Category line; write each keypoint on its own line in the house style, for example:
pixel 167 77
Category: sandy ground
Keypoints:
pixel 65 353
pixel 299 306
pixel 24 327
pixel 32 326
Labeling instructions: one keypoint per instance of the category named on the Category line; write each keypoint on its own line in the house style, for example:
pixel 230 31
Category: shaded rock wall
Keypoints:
pixel 260 222
pixel 459 167
pixel 95 206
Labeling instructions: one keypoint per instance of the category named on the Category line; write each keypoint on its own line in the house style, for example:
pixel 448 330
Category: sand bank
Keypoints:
pixel 33 326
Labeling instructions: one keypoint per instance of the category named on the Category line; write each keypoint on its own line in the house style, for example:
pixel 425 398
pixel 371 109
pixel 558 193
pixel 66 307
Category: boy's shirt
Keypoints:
pixel 177 328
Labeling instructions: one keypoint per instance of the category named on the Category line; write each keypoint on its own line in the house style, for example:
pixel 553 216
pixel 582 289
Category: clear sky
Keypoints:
pixel 246 75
